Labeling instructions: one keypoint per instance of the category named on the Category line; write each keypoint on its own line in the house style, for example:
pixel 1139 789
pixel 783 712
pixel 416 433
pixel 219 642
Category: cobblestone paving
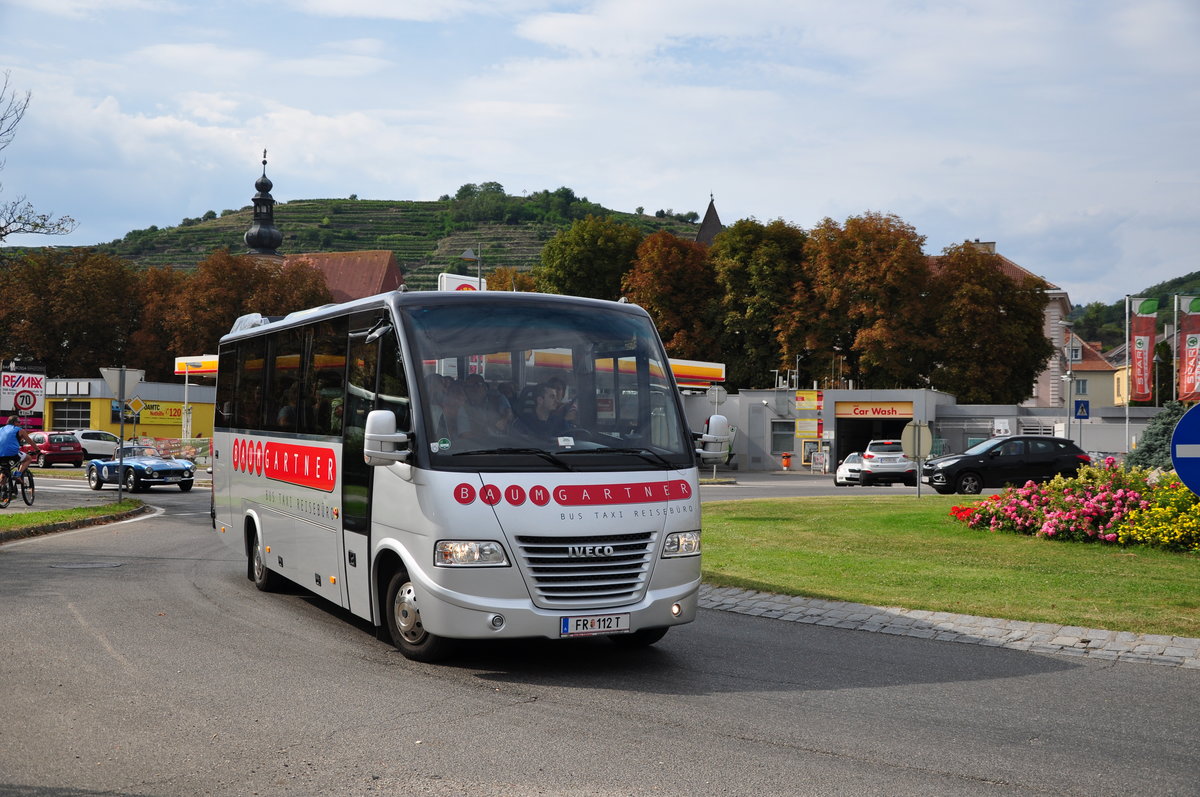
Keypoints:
pixel 1094 643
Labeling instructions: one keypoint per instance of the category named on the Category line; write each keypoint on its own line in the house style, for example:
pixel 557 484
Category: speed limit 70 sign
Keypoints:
pixel 22 392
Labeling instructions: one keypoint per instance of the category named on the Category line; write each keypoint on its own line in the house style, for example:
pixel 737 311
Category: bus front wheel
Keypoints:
pixel 404 622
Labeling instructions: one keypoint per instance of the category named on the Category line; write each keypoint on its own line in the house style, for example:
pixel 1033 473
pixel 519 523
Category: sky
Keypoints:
pixel 1063 130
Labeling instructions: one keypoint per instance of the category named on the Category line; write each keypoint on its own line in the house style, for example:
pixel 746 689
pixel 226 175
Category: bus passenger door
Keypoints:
pixel 356 474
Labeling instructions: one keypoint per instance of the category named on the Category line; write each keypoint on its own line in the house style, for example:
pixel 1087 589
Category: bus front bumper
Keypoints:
pixel 457 616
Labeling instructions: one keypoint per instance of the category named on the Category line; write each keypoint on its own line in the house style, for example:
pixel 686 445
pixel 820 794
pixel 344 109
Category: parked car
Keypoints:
pixel 848 471
pixel 141 467
pixel 884 462
pixel 53 448
pixel 96 444
pixel 999 461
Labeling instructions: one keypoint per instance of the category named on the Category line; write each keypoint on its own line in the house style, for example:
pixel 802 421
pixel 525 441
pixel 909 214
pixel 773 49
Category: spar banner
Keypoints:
pixel 1143 315
pixel 1188 347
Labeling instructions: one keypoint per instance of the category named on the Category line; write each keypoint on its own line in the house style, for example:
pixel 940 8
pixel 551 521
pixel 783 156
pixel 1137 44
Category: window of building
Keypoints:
pixel 70 415
pixel 1081 387
pixel 783 436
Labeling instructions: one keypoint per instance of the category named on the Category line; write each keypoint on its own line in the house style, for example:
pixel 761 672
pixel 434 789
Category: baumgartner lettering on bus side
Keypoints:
pixel 474 465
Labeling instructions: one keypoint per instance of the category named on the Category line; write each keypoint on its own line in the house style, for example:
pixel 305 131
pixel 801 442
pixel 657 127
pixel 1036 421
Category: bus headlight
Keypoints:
pixel 682 543
pixel 469 553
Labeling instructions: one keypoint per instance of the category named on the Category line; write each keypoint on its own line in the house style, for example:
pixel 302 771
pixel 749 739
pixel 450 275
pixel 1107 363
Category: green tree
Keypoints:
pixel 1154 449
pixel 864 301
pixel 675 283
pixel 988 345
pixel 758 269
pixel 588 258
pixel 1095 324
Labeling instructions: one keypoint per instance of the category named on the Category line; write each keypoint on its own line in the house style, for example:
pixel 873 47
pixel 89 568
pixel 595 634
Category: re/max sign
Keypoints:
pixel 26 381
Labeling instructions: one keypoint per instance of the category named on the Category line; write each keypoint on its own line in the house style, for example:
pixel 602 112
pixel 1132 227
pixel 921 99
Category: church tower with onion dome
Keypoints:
pixel 263 237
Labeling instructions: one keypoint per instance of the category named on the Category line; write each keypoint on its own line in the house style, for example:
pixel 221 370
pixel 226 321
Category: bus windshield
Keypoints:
pixel 536 386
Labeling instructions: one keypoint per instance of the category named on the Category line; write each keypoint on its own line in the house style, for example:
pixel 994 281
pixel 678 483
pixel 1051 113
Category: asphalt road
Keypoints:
pixel 140 661
pixel 53 490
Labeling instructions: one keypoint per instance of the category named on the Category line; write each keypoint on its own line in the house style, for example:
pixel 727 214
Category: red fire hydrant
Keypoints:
pixel 787 460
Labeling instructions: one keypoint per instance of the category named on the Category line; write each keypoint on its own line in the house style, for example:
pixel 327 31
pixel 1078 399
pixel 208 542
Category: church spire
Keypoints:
pixel 711 225
pixel 263 238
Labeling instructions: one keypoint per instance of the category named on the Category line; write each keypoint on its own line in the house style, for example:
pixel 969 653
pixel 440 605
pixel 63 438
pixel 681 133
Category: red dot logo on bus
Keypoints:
pixel 490 494
pixel 464 493
pixel 514 494
pixel 539 495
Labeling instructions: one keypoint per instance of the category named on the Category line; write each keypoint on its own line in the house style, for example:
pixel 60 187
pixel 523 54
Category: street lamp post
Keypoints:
pixel 478 258
pixel 1069 376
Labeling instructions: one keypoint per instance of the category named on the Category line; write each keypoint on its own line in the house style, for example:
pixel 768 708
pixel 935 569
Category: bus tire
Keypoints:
pixel 640 639
pixel 262 576
pixel 403 620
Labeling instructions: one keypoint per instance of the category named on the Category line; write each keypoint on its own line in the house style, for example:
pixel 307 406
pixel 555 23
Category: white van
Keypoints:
pixel 96 444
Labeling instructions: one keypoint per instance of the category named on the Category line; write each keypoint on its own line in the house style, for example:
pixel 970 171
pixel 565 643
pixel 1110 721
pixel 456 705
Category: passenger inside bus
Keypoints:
pixel 544 419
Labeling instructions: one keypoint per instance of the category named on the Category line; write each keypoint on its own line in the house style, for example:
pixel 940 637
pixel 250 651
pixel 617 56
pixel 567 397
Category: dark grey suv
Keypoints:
pixel 1000 461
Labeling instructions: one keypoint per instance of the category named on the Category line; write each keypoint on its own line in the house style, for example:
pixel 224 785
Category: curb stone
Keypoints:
pixel 1094 643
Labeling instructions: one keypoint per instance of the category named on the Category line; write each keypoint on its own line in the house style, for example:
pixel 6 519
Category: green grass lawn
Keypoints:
pixel 908 552
pixel 20 520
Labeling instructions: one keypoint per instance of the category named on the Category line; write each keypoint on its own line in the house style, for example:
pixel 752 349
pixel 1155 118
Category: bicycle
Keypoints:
pixel 8 490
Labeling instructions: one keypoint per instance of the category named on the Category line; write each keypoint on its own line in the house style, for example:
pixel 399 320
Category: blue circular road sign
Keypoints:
pixel 1185 448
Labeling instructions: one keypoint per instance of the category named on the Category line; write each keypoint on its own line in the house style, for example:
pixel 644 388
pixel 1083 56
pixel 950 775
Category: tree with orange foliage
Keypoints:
pixel 152 345
pixel 225 286
pixel 72 310
pixel 507 278
pixel 673 280
pixel 865 301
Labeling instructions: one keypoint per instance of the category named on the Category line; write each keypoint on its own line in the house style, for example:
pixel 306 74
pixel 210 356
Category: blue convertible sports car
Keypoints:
pixel 144 466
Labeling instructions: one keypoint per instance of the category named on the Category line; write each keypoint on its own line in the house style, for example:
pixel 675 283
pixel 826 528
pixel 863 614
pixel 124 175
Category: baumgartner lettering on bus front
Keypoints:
pixel 577 494
pixel 306 466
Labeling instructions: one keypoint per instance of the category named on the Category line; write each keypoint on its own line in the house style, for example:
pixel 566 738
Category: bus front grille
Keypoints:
pixel 570 572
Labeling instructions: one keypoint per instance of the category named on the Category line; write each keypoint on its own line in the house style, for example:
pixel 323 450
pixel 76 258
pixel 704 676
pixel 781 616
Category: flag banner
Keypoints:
pixel 1188 347
pixel 1143 318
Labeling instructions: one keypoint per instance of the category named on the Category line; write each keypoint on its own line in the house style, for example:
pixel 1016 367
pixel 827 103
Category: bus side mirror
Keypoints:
pixel 383 444
pixel 714 440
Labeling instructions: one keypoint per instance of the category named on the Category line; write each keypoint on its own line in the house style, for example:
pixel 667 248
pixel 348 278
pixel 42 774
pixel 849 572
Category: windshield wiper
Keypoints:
pixel 537 452
pixel 645 453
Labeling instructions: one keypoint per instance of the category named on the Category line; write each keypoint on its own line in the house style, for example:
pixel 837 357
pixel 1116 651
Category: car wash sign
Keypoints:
pixel 23 391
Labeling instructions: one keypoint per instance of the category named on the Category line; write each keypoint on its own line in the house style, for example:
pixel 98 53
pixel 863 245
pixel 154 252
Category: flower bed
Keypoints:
pixel 1102 503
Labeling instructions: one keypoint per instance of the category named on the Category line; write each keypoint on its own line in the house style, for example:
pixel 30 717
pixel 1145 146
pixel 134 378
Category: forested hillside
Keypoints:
pixel 1106 322
pixel 426 237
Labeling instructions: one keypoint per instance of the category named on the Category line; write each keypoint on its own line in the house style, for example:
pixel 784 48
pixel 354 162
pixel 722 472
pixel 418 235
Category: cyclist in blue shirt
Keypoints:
pixel 12 436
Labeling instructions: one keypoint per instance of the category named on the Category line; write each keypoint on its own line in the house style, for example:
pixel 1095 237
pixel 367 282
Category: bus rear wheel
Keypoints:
pixel 403 619
pixel 260 574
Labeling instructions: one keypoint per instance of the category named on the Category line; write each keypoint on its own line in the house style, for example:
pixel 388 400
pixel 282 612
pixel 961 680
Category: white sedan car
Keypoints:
pixel 848 472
